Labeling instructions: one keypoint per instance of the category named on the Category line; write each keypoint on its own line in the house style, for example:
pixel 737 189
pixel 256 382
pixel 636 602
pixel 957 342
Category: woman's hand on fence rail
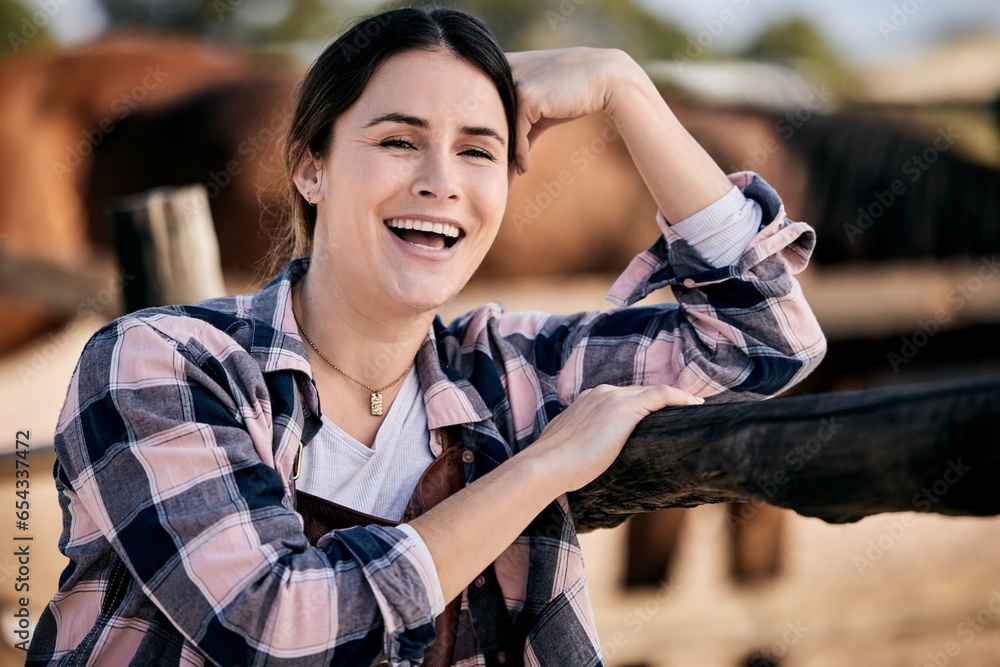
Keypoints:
pixel 468 530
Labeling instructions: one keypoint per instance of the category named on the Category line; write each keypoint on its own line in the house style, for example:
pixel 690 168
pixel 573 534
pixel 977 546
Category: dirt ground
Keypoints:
pixel 894 589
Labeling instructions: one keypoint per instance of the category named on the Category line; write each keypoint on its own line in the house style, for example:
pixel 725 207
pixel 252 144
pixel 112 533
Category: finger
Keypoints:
pixel 522 151
pixel 669 395
pixel 523 156
pixel 512 173
pixel 536 131
pixel 651 398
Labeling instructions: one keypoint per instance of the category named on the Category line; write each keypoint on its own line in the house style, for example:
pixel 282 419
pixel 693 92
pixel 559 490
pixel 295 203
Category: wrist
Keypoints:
pixel 536 468
pixel 627 86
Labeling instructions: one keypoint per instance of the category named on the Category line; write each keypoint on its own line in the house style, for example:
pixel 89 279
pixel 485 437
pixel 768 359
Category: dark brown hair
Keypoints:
pixel 342 72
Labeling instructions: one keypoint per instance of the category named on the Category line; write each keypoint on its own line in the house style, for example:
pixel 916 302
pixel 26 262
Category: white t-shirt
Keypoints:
pixel 377 480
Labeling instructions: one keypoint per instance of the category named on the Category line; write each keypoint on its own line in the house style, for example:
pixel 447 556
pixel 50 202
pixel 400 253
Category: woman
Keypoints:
pixel 190 434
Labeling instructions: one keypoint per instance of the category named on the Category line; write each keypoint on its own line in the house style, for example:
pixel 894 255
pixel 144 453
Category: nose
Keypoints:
pixel 435 177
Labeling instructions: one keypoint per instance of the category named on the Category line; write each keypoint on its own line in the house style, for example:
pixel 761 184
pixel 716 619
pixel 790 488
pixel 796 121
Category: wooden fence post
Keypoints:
pixel 166 243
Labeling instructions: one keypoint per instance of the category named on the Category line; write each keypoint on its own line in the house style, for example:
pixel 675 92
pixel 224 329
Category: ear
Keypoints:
pixel 308 177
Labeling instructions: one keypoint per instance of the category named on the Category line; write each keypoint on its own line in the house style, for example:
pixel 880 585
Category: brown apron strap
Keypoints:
pixel 320 516
pixel 443 477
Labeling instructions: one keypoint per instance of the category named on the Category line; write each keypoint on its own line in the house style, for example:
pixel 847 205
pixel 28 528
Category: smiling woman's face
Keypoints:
pixel 413 190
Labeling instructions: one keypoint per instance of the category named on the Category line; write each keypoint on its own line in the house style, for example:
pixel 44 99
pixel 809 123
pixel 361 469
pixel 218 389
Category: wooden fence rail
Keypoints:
pixel 840 457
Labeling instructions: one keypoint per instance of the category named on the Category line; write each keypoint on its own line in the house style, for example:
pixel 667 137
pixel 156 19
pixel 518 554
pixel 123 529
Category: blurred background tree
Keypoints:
pixel 283 26
pixel 295 31
pixel 529 24
pixel 300 28
pixel 797 42
pixel 518 24
pixel 22 31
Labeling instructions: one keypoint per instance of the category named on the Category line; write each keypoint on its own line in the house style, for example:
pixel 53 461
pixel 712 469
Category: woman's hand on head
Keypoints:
pixel 558 85
pixel 584 440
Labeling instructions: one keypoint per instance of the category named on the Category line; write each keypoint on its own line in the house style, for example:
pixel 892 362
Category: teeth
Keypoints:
pixel 427 247
pixel 424 226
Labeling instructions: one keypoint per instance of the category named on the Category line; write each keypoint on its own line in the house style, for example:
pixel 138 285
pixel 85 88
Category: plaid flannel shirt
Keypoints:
pixel 181 424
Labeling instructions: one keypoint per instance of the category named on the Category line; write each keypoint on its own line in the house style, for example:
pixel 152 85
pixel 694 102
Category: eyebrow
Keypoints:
pixel 395 117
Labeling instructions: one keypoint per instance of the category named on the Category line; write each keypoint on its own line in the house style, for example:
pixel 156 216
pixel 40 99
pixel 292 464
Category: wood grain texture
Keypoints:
pixel 839 457
pixel 167 247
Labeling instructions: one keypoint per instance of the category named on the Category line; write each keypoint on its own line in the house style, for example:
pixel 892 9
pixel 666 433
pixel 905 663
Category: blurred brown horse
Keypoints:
pixel 58 109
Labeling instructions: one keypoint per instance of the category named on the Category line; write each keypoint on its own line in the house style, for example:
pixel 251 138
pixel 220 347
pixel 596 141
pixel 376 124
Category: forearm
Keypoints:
pixel 467 531
pixel 681 176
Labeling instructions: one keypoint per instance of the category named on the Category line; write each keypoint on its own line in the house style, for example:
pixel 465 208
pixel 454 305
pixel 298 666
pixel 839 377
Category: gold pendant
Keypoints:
pixel 376 404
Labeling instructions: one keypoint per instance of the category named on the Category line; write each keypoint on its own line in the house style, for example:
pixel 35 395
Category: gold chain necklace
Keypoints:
pixel 376 404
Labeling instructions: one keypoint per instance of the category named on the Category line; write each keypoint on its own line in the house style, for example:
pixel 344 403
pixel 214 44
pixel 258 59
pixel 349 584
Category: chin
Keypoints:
pixel 426 300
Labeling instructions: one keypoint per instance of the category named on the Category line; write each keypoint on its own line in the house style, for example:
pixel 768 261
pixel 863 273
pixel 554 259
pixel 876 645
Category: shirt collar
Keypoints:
pixel 276 344
pixel 448 394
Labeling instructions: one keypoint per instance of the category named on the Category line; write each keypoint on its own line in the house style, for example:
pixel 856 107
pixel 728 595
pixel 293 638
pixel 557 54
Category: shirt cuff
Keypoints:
pixel 429 571
pixel 722 230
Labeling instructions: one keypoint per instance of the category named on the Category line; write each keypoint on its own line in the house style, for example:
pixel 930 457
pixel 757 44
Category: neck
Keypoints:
pixel 371 345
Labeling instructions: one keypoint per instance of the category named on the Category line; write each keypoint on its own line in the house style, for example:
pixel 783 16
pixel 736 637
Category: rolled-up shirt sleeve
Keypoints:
pixel 423 558
pixel 722 231
pixel 740 329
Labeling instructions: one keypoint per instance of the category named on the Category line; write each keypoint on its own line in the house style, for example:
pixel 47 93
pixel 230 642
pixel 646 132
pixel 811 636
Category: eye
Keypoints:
pixel 396 142
pixel 478 153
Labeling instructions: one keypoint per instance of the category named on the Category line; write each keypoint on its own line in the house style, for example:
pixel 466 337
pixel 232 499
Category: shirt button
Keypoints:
pixel 501 657
pixel 480 580
pixel 688 282
pixel 468 456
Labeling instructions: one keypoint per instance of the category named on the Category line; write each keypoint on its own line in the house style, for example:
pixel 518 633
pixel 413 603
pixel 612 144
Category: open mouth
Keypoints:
pixel 433 236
